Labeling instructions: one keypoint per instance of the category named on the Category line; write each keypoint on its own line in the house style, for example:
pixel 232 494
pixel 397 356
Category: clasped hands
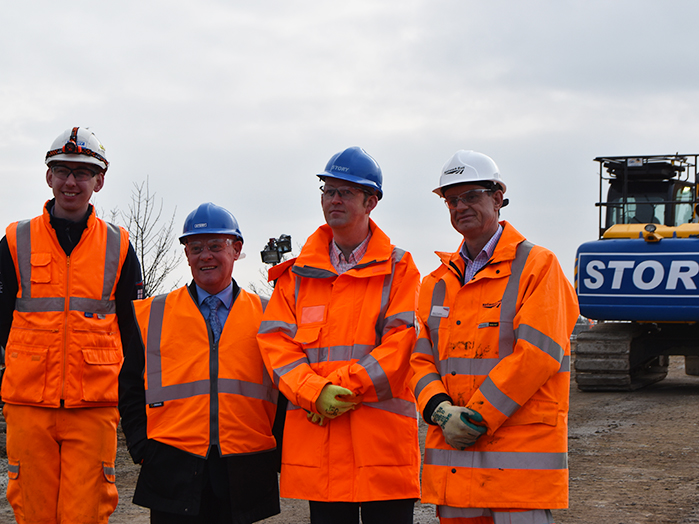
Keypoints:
pixel 332 402
pixel 459 424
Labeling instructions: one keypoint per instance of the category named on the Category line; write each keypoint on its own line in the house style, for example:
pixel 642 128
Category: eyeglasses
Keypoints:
pixel 468 198
pixel 344 192
pixel 81 174
pixel 215 245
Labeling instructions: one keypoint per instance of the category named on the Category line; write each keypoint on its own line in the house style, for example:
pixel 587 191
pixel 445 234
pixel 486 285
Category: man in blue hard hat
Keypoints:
pixel 196 402
pixel 337 336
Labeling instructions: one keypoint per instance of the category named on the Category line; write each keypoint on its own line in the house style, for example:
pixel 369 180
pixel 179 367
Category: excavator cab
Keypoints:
pixel 640 279
pixel 647 190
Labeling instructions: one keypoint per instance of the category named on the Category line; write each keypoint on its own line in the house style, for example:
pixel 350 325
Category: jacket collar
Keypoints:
pixel 505 250
pixel 316 251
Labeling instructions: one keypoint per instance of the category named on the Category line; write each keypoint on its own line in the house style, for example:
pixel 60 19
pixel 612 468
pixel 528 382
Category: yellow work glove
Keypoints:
pixel 315 418
pixel 330 406
pixel 457 424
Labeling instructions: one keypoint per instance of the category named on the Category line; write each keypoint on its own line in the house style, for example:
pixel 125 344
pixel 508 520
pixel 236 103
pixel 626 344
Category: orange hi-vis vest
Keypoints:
pixel 354 330
pixel 64 344
pixel 498 344
pixel 200 393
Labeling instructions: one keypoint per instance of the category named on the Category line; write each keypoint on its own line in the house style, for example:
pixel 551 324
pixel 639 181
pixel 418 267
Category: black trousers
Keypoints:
pixel 215 507
pixel 374 512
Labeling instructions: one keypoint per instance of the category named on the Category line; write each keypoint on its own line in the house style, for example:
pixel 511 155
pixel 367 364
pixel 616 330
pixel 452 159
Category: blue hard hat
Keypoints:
pixel 355 165
pixel 210 219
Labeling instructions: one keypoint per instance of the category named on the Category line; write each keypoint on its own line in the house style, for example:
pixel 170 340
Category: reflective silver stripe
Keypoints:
pixel 439 293
pixel 565 364
pixel 450 512
pixel 312 272
pixel 283 370
pixel 24 257
pixel 495 459
pixel 385 296
pixel 497 398
pixel 538 339
pixel 108 470
pixel 468 366
pixel 40 305
pixel 103 306
pixel 395 405
pixel 423 347
pixel 425 381
pixel 275 326
pixel 534 516
pixel 247 389
pixel 153 362
pixel 406 318
pixel 111 261
pixel 378 377
pixel 508 308
pixel 13 468
pixel 480 366
pixel 176 391
pixel 337 353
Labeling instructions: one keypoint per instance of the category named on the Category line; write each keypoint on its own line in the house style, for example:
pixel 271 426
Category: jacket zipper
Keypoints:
pixel 65 330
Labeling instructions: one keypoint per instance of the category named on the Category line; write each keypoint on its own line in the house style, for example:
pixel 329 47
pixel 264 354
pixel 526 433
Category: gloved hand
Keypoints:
pixel 328 403
pixel 457 424
pixel 315 418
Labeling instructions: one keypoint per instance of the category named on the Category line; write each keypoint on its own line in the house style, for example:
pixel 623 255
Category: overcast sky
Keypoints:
pixel 242 103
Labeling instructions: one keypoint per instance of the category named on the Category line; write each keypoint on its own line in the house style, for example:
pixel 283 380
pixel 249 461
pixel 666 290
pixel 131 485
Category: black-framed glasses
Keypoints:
pixel 81 174
pixel 344 192
pixel 468 198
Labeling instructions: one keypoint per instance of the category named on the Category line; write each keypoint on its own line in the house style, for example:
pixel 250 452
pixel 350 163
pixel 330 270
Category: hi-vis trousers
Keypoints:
pixel 61 464
pixel 451 515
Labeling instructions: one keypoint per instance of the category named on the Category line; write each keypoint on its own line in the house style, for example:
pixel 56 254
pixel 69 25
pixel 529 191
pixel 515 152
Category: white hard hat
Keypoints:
pixel 469 167
pixel 78 145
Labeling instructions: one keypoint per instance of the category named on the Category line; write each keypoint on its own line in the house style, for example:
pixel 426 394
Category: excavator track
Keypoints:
pixel 618 356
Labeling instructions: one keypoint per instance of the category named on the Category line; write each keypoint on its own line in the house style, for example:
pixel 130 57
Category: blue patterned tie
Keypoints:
pixel 213 303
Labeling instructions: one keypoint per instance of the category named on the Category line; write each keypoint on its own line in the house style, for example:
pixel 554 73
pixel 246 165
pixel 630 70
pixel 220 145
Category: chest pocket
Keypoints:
pixel 41 268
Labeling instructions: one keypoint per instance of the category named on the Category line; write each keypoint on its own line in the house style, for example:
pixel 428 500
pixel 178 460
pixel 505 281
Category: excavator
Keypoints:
pixel 639 280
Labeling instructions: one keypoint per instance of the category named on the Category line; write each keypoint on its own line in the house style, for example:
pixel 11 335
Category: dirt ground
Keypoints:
pixel 634 459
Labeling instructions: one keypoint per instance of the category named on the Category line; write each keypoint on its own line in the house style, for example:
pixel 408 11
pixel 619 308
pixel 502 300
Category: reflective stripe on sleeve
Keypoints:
pixel 540 340
pixel 276 326
pixel 497 398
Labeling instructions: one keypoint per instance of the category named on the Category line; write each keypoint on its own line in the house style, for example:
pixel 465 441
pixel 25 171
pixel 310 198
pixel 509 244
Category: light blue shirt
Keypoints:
pixel 473 266
pixel 225 296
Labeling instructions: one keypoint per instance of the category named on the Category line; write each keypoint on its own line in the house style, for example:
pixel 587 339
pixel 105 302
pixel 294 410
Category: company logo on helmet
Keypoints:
pixel 201 224
pixel 455 171
pixel 339 168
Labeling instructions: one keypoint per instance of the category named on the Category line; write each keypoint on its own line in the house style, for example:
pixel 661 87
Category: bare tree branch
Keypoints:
pixel 151 240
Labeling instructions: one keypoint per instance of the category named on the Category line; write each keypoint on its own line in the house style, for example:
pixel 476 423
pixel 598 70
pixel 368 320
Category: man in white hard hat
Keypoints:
pixel 197 403
pixel 492 362
pixel 67 279
pixel 337 336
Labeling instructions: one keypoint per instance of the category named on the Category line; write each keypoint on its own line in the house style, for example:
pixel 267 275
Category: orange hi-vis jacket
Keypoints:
pixel 201 393
pixel 64 344
pixel 500 345
pixel 355 330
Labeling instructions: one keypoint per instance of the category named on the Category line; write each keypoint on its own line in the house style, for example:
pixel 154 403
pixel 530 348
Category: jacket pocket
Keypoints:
pixel 535 412
pixel 41 268
pixel 25 376
pixel 100 374
pixel 307 334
